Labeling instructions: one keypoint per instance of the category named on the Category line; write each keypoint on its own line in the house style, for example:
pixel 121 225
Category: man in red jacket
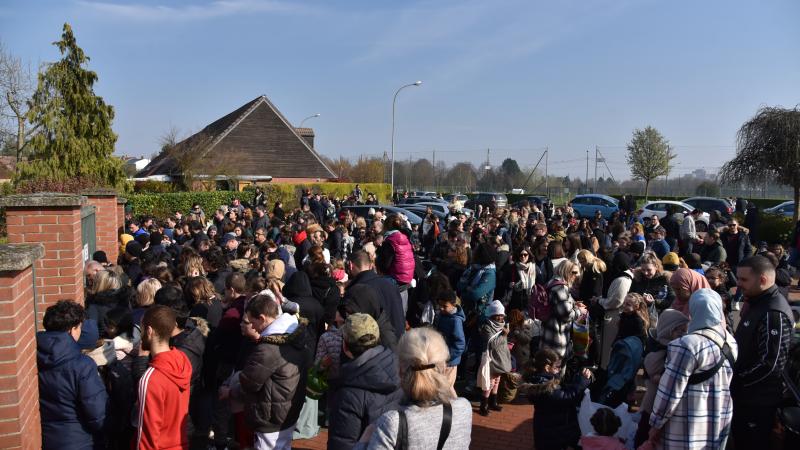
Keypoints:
pixel 164 387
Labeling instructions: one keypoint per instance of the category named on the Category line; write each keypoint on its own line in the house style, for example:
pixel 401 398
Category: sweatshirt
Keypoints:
pixel 164 402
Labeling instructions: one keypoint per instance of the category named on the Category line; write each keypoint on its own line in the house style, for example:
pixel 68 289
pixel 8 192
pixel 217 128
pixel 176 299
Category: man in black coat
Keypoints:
pixel 361 272
pixel 369 382
pixel 298 290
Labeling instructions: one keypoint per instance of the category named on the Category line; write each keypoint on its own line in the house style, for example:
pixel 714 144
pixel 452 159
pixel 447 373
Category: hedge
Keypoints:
pixel 164 204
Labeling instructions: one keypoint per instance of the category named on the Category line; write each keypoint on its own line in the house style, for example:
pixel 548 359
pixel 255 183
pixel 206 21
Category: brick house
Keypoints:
pixel 253 144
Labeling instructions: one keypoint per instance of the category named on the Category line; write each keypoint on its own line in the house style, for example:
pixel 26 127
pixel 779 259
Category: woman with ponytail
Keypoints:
pixel 432 417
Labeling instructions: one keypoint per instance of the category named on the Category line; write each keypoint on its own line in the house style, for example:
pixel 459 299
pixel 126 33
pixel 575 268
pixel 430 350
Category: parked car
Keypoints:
pixel 659 208
pixel 422 194
pixel 708 204
pixel 420 199
pixel 454 198
pixel 537 200
pixel 363 211
pixel 783 209
pixel 486 199
pixel 586 205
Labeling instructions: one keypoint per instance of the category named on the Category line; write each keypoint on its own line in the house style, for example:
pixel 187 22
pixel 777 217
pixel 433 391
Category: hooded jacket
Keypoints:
pixel 389 294
pixel 298 290
pixel 326 292
pixel 451 326
pixel 163 410
pixel 368 387
pixel 555 424
pixel 273 380
pixel 72 397
pixel 99 304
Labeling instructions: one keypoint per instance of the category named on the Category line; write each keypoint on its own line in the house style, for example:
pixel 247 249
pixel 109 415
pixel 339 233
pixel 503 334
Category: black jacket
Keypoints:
pixel 591 285
pixel 389 295
pixel 555 424
pixel 326 292
pixel 100 304
pixel 298 290
pixel 763 336
pixel 365 299
pixel 368 387
pixel 737 246
pixel 658 287
pixel 336 244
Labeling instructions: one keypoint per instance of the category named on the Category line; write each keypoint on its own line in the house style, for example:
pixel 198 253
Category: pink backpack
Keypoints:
pixel 539 306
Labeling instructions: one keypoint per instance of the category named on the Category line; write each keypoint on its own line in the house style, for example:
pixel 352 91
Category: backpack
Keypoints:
pixel 539 306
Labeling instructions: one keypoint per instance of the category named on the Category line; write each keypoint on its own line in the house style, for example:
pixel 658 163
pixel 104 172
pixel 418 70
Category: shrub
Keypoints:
pixel 775 229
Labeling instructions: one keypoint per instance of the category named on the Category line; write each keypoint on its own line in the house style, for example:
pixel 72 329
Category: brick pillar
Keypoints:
pixel 54 220
pixel 121 202
pixel 20 424
pixel 107 221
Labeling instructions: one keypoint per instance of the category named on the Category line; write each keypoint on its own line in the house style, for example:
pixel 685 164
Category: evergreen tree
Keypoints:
pixel 74 139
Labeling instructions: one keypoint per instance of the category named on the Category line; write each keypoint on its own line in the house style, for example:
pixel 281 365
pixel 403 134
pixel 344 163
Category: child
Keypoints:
pixel 555 423
pixel 605 424
pixel 672 324
pixel 493 337
pixel 450 323
pixel 634 320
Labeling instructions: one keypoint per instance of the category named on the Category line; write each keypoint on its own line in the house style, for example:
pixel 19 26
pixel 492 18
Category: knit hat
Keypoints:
pixel 495 309
pixel 358 327
pixel 668 321
pixel 637 247
pixel 134 249
pixel 671 259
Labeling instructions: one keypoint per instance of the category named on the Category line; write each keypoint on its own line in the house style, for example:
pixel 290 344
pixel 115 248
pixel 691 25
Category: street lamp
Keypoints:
pixel 309 117
pixel 394 101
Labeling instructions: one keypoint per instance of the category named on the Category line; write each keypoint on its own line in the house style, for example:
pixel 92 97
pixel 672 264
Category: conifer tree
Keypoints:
pixel 74 139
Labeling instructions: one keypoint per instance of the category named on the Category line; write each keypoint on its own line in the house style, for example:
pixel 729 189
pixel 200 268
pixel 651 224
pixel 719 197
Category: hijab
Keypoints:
pixel 668 321
pixel 705 307
pixel 687 279
pixel 276 270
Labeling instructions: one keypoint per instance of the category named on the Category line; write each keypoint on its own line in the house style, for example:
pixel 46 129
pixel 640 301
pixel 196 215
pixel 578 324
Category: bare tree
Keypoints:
pixel 16 87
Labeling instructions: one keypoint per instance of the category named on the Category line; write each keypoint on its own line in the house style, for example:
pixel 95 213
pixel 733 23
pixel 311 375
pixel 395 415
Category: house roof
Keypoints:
pixel 254 140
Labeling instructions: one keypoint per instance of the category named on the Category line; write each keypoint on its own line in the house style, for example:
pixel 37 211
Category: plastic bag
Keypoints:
pixel 587 409
pixel 428 314
pixel 485 372
pixel 580 336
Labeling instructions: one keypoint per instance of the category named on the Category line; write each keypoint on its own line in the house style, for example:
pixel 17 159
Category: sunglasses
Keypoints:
pixel 523 254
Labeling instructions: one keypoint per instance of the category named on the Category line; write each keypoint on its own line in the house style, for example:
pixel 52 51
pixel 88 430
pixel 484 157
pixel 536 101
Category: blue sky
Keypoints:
pixel 510 75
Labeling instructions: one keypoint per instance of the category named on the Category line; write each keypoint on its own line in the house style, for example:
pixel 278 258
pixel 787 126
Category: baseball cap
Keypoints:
pixel 361 328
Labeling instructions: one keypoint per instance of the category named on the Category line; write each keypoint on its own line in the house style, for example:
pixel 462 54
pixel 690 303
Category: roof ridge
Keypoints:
pixel 234 124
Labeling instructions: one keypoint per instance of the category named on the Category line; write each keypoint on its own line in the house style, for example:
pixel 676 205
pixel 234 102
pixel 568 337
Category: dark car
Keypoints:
pixel 487 199
pixel 419 199
pixel 363 211
pixel 708 204
pixel 537 200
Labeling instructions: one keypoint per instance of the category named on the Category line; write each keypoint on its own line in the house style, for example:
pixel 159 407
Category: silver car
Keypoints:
pixel 659 208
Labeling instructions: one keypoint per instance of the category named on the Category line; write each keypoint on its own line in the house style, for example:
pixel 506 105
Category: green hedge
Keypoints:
pixel 164 204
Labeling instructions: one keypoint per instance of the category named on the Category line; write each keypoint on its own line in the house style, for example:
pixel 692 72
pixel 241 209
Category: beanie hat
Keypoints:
pixel 637 247
pixel 156 238
pixel 495 309
pixel 227 238
pixel 134 249
pixel 668 321
pixel 359 326
pixel 671 259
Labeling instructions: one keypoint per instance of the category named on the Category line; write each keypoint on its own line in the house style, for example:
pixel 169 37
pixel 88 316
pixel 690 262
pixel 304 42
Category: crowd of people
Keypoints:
pixel 250 327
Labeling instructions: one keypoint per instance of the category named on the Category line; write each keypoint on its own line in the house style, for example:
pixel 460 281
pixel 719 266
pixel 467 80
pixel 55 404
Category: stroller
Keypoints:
pixel 626 358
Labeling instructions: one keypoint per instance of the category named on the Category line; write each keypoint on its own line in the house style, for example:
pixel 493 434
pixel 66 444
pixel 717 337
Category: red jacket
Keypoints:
pixel 164 402
pixel 402 266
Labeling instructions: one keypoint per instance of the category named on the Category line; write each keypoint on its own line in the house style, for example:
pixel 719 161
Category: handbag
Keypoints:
pixel 485 370
pixel 444 432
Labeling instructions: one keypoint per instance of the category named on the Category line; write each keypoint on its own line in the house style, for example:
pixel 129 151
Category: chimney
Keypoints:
pixel 307 134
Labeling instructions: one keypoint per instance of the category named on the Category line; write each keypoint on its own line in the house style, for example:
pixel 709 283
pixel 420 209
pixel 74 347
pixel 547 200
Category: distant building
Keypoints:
pixel 7 166
pixel 137 163
pixel 253 144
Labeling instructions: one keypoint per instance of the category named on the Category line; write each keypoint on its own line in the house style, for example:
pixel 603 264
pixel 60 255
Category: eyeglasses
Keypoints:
pixel 733 224
pixel 523 255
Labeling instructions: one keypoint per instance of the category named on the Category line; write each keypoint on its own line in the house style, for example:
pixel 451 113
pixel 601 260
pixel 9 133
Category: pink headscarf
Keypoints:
pixel 687 279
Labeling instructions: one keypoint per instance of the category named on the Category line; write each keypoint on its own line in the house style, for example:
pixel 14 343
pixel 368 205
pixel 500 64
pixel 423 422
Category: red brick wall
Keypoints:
pixel 19 390
pixel 106 223
pixel 59 274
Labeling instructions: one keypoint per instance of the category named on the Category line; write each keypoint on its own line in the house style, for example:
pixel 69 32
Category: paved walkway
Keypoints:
pixel 511 429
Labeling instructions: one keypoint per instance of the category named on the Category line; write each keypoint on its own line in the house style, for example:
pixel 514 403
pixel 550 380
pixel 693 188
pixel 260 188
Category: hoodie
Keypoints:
pixel 163 411
pixel 72 397
pixel 452 328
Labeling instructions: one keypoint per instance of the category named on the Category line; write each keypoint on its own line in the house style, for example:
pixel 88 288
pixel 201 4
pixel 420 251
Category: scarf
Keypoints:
pixel 527 275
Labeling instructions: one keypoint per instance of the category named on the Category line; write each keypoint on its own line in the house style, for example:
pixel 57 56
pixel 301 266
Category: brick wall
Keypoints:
pixel 106 223
pixel 55 222
pixel 19 390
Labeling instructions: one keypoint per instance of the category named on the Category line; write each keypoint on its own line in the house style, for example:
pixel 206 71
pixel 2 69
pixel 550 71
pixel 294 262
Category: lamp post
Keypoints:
pixel 309 117
pixel 394 101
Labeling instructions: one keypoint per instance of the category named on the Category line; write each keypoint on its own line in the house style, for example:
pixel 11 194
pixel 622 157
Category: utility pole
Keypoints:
pixel 595 169
pixel 435 186
pixel 487 168
pixel 546 189
pixel 587 172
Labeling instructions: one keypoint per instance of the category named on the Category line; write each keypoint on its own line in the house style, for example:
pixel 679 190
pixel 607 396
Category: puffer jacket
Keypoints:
pixel 72 397
pixel 298 290
pixel 396 257
pixel 368 387
pixel 273 380
pixel 555 424
pixel 99 304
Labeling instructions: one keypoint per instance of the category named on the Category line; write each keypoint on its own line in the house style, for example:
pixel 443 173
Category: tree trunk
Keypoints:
pixel 646 189
pixel 796 201
pixel 20 141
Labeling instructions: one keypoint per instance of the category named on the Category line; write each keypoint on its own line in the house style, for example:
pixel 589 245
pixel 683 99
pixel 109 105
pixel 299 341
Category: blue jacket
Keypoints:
pixel 452 328
pixel 72 397
pixel 477 292
pixel 661 248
